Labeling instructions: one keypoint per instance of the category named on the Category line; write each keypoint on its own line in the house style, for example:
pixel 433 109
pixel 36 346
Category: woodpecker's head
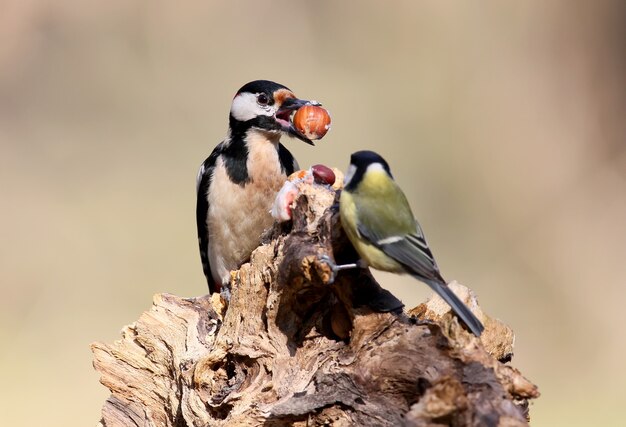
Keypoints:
pixel 266 106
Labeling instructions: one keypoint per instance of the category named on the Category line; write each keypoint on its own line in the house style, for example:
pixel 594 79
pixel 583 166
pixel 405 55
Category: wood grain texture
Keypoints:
pixel 296 347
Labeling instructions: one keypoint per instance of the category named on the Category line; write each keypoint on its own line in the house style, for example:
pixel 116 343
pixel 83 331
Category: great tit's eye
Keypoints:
pixel 262 99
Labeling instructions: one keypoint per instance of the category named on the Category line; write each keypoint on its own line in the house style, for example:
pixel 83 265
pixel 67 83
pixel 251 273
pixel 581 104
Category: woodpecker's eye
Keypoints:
pixel 262 99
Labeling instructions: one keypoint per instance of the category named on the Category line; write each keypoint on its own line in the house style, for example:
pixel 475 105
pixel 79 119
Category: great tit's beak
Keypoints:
pixel 283 116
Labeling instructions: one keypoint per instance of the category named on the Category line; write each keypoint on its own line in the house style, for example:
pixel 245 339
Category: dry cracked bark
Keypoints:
pixel 297 348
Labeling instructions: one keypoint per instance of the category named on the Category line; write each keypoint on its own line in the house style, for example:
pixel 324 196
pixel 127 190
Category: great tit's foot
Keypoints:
pixel 334 268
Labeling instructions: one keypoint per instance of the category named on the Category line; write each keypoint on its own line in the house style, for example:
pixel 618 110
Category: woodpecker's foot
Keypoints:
pixel 334 268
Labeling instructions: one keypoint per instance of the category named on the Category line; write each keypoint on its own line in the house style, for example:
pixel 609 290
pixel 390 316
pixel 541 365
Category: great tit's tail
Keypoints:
pixel 457 305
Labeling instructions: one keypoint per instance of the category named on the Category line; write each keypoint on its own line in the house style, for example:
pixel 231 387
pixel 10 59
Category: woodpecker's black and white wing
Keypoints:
pixel 203 181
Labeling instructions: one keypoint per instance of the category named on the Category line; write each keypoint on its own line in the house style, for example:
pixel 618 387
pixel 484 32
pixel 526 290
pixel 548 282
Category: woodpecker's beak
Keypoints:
pixel 283 117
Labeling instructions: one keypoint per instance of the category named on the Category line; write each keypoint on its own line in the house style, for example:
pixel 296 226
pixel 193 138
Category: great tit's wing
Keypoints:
pixel 412 252
pixel 382 217
pixel 203 181
pixel 388 223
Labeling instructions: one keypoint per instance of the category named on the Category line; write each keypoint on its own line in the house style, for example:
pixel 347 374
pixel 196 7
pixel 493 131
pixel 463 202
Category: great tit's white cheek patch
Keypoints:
pixel 245 107
pixel 349 174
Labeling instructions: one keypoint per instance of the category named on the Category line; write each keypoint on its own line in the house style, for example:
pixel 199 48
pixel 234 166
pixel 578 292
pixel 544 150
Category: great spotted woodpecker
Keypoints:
pixel 236 185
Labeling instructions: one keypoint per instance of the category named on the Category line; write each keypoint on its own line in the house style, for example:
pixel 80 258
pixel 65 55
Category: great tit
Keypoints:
pixel 236 185
pixel 379 222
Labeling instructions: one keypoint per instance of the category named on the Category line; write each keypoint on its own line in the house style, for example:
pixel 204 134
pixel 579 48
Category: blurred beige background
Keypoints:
pixel 504 123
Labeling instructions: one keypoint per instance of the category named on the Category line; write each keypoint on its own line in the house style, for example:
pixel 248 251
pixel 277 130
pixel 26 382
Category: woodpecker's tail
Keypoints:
pixel 457 305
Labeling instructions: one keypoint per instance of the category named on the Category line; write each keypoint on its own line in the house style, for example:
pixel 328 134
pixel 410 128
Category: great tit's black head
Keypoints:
pixel 266 106
pixel 360 162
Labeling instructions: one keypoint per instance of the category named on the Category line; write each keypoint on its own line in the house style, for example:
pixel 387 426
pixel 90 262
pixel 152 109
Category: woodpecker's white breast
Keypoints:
pixel 238 214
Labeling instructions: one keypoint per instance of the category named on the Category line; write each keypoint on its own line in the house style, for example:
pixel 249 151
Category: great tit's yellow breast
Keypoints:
pixel 348 211
pixel 376 185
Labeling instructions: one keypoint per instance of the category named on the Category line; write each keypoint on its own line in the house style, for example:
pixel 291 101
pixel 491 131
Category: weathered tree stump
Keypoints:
pixel 296 348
